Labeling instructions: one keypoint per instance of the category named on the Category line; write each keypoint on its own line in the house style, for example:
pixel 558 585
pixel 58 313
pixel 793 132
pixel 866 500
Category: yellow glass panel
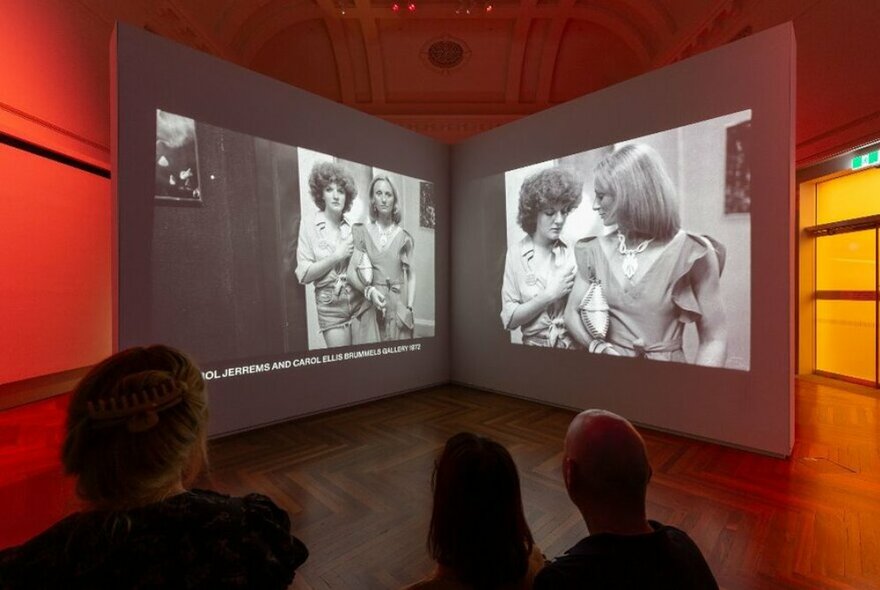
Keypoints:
pixel 846 262
pixel 845 333
pixel 848 197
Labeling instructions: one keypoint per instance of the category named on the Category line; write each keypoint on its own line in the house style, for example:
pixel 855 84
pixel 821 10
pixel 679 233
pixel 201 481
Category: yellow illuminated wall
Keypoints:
pixel 846 331
pixel 845 262
pixel 848 197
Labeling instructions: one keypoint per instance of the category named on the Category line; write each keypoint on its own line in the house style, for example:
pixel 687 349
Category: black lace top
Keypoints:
pixel 198 539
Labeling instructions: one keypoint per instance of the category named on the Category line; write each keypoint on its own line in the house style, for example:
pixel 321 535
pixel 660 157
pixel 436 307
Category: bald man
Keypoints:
pixel 606 473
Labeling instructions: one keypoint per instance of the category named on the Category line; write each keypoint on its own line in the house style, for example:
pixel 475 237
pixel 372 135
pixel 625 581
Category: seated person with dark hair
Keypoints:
pixel 479 536
pixel 136 438
pixel 606 473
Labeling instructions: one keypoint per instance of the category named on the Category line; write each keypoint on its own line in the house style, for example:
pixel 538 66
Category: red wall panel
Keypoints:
pixel 55 284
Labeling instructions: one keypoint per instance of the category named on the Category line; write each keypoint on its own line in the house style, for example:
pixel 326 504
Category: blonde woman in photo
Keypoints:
pixel 381 266
pixel 655 276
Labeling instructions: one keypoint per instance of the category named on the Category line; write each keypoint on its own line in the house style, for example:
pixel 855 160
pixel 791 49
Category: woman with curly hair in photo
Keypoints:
pixel 324 248
pixel 539 270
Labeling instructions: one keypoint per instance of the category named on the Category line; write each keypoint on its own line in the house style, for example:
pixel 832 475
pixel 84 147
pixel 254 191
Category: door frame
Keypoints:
pixel 807 180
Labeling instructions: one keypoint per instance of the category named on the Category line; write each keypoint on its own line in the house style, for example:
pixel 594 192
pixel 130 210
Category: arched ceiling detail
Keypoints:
pixel 232 16
pixel 304 56
pixel 574 76
pixel 651 19
pixel 523 55
pixel 362 33
pixel 637 42
pixel 717 21
pixel 259 25
pixel 374 51
pixel 518 51
pixel 340 51
pixel 551 49
pixel 267 21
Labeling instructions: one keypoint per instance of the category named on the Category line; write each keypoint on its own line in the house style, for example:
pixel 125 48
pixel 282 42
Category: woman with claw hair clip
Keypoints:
pixel 135 442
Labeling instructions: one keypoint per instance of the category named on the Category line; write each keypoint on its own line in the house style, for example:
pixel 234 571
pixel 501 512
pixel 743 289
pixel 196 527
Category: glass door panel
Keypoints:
pixel 845 341
pixel 846 305
pixel 848 197
pixel 846 262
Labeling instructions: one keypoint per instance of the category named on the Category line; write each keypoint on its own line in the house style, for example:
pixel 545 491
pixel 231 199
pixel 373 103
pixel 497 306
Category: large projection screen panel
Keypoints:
pixel 220 179
pixel 721 127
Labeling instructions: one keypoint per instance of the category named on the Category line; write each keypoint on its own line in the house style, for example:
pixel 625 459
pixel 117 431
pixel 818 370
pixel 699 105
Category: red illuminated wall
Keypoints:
pixel 54 77
pixel 55 283
pixel 55 289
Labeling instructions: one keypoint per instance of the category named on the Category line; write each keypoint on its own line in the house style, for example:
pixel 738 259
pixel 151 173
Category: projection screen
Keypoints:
pixel 632 249
pixel 296 248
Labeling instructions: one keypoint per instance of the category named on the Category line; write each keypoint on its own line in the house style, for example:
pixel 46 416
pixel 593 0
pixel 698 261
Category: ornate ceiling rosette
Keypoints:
pixel 445 53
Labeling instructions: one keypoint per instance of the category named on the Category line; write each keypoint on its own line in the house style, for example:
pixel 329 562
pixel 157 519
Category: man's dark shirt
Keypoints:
pixel 664 559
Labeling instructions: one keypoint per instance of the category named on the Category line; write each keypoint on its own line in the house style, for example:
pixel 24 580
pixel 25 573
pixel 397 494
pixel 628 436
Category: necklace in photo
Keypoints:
pixel 630 262
pixel 384 234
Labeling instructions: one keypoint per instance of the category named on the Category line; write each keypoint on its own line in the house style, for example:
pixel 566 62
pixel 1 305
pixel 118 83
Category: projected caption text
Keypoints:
pixel 307 361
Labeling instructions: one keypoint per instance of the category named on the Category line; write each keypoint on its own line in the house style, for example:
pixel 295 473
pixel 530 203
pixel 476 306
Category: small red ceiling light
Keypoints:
pixel 395 7
pixel 489 7
pixel 411 6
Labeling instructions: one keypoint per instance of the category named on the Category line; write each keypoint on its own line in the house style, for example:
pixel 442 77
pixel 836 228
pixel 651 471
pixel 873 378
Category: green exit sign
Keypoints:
pixel 869 159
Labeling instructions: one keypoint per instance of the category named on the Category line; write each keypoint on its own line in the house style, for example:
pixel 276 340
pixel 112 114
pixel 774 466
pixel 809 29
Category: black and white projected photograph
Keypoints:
pixel 219 283
pixel 363 253
pixel 177 172
pixel 637 249
pixel 287 250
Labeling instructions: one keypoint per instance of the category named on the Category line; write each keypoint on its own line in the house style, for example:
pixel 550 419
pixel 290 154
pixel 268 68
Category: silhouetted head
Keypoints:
pixel 136 426
pixel 606 467
pixel 478 529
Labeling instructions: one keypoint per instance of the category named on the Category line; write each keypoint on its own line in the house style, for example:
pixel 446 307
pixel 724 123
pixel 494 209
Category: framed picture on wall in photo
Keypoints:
pixel 177 161
pixel 426 206
pixel 738 174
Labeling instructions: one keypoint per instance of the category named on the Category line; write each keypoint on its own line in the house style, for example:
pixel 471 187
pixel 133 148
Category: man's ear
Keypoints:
pixel 568 466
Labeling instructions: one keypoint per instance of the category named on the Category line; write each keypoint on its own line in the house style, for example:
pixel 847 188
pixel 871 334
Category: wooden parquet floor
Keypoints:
pixel 357 485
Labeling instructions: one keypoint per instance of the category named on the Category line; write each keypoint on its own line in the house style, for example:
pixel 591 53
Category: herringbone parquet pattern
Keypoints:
pixel 357 485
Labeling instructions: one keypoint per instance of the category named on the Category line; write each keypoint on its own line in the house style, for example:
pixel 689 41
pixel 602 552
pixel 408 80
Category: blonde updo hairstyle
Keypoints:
pixel 127 461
